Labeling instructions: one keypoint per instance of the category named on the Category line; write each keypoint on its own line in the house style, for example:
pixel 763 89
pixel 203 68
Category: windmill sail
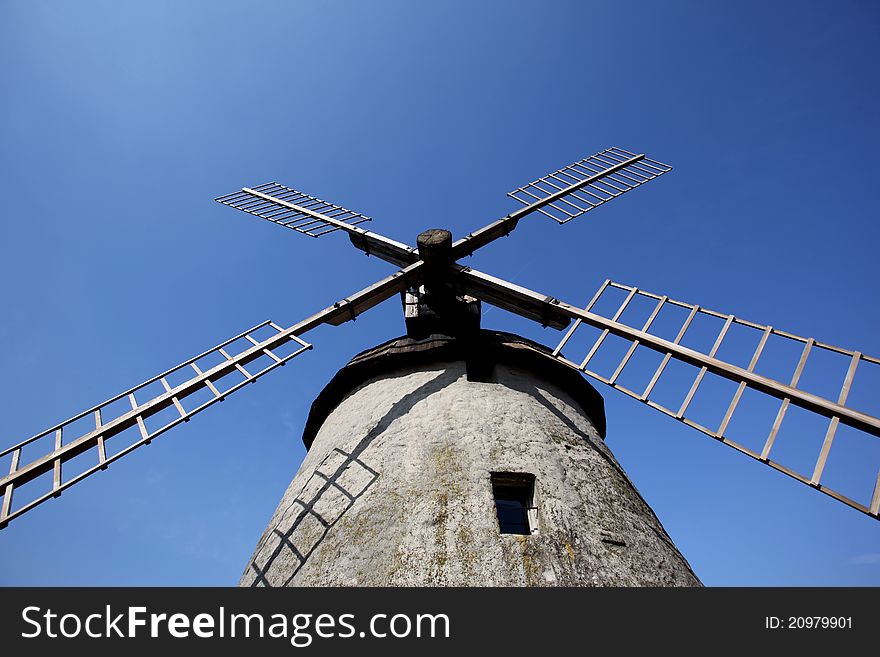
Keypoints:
pixel 163 401
pixel 707 363
pixel 569 192
pixel 292 209
pixel 313 217
pixel 576 189
pixel 134 409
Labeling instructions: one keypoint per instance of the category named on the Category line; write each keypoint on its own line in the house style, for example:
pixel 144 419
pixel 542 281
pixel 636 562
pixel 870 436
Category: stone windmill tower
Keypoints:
pixel 455 455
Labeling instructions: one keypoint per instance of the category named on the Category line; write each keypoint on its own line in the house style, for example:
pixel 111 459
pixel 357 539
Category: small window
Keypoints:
pixel 514 495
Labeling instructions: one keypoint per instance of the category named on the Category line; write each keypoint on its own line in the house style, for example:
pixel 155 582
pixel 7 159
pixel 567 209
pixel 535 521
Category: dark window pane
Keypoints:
pixel 512 517
pixel 513 499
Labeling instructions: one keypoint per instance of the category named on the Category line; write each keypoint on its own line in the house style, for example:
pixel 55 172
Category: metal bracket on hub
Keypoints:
pixel 426 313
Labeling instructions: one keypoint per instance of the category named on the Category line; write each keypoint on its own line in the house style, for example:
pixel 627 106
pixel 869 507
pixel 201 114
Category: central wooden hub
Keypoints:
pixel 434 306
pixel 435 245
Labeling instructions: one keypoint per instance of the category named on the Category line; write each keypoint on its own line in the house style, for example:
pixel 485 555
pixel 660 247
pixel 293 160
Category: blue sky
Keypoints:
pixel 120 122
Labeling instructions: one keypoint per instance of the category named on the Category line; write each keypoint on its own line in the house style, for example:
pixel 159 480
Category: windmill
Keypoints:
pixel 441 296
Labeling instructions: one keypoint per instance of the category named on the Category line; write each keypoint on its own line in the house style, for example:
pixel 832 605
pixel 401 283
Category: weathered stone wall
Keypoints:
pixel 395 490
